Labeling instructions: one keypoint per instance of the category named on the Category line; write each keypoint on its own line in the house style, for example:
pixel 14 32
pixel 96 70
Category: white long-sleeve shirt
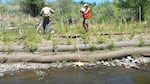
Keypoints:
pixel 46 10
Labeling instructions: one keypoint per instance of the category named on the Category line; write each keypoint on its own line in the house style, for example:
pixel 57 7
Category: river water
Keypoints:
pixel 98 75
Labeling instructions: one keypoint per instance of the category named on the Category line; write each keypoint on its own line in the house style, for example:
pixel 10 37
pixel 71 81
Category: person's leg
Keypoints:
pixel 85 24
pixel 47 21
pixel 48 27
pixel 86 28
pixel 44 27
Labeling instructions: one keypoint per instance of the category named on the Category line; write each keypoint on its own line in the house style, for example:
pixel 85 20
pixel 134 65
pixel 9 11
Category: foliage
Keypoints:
pixel 108 18
pixel 26 37
pixel 141 41
pixel 65 10
pixel 32 7
pixel 64 6
pixel 10 8
pixel 135 6
pixel 100 39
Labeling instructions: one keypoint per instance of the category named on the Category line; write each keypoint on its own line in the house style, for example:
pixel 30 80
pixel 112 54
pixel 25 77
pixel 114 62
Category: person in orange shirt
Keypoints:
pixel 86 16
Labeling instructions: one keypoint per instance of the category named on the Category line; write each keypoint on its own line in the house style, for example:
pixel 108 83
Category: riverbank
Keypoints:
pixel 128 62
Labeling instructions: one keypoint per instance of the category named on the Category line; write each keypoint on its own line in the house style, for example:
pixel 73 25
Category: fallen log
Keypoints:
pixel 121 53
pixel 82 47
pixel 115 33
pixel 74 57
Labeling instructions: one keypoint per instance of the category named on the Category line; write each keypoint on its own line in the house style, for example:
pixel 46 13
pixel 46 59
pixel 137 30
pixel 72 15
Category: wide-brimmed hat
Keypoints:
pixel 85 5
pixel 45 4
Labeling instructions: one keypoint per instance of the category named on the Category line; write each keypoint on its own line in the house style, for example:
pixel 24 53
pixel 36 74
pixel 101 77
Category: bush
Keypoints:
pixel 32 7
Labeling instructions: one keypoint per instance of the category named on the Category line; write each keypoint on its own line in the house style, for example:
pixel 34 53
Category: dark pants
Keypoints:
pixel 46 23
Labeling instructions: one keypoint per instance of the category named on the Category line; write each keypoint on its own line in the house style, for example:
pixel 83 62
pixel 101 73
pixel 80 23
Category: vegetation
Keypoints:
pixel 109 18
pixel 31 6
pixel 136 6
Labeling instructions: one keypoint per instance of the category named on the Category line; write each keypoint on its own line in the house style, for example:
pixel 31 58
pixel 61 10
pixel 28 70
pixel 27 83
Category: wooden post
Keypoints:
pixel 140 14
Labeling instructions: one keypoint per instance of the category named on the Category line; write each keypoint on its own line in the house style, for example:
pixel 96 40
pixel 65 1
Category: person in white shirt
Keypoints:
pixel 46 14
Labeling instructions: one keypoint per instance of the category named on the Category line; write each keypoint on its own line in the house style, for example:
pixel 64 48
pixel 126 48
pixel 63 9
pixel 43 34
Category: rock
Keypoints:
pixel 91 64
pixel 144 60
pixel 40 73
pixel 133 65
pixel 116 62
pixel 60 65
pixel 112 64
pixel 52 32
pixel 127 66
pixel 106 64
pixel 1 75
pixel 135 61
pixel 80 64
pixel 130 58
pixel 98 62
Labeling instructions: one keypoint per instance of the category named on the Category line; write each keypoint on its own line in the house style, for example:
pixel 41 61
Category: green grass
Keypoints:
pixel 9 35
pixel 30 37
pixel 27 37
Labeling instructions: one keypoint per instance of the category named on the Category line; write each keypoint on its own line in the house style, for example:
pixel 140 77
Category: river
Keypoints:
pixel 74 75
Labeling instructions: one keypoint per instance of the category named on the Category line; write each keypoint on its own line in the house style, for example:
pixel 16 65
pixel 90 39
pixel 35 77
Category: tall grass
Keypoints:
pixel 98 26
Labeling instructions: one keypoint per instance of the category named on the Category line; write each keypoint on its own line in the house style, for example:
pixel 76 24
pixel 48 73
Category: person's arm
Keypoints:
pixel 41 12
pixel 87 10
pixel 51 10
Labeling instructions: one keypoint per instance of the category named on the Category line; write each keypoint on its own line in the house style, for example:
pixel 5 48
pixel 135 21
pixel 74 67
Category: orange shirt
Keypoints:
pixel 87 14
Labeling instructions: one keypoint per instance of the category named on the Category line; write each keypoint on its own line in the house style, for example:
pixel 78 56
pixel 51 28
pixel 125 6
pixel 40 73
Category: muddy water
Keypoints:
pixel 99 75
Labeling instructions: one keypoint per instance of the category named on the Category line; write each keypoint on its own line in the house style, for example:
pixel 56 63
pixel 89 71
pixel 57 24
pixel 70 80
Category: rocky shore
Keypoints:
pixel 128 62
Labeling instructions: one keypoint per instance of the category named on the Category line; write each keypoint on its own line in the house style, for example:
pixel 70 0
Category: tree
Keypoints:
pixel 32 7
pixel 64 9
pixel 135 5
pixel 64 6
pixel 104 12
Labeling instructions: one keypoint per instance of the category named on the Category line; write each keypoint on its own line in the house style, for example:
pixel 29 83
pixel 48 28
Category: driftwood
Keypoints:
pixel 60 48
pixel 95 57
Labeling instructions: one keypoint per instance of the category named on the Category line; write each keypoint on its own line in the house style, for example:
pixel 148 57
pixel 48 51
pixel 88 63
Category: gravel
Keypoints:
pixel 128 62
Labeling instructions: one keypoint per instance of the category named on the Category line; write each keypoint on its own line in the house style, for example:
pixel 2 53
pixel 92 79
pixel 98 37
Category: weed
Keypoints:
pixel 111 45
pixel 132 35
pixel 85 37
pixel 9 36
pixel 121 38
pixel 69 41
pixel 7 49
pixel 100 39
pixel 30 46
pixel 135 55
pixel 92 48
pixel 141 41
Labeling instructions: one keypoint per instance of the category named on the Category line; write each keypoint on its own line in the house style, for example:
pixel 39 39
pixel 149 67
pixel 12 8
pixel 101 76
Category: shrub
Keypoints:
pixel 32 7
